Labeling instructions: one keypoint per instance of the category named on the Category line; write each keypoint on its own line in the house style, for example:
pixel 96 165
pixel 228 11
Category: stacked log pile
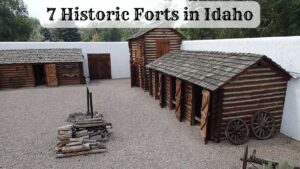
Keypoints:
pixel 82 138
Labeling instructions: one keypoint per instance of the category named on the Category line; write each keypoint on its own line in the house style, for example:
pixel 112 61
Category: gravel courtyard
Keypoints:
pixel 144 135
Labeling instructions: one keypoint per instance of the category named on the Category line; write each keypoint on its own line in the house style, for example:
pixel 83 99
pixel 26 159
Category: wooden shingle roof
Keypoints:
pixel 209 70
pixel 40 56
pixel 144 31
pixel 141 32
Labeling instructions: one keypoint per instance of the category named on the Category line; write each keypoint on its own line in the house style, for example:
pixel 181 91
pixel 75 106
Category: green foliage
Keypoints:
pixel 111 35
pixel 66 34
pixel 282 165
pixel 96 37
pixel 47 34
pixel 14 21
pixel 278 18
pixel 269 166
pixel 36 34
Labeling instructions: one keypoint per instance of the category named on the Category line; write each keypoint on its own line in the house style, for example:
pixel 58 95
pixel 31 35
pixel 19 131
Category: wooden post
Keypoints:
pixel 150 83
pixel 172 92
pixel 193 93
pixel 132 73
pixel 179 99
pixel 156 85
pixel 88 100
pixel 204 115
pixel 91 104
pixel 161 98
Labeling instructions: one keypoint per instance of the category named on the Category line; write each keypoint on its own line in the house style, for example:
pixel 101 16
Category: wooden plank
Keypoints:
pixel 276 108
pixel 204 115
pixel 16 75
pixel 99 66
pixel 93 151
pixel 161 90
pixel 178 97
pixel 51 76
pixel 69 73
pixel 156 81
pixel 254 95
pixel 249 102
pixel 150 84
pixel 255 91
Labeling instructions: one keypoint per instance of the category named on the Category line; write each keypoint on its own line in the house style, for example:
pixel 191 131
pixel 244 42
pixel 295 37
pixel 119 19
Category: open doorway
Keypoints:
pixel 173 91
pixel 162 90
pixel 39 74
pixel 198 103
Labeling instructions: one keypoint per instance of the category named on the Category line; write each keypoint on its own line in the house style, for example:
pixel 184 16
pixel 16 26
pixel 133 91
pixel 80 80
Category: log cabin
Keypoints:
pixel 33 67
pixel 216 89
pixel 147 45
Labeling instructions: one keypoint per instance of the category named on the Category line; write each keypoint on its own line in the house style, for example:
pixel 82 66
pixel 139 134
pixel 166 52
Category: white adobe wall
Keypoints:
pixel 118 51
pixel 283 50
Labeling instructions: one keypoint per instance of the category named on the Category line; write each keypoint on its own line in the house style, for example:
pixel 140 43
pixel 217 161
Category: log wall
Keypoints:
pixel 16 75
pixel 137 62
pixel 143 51
pixel 259 88
pixel 69 73
pixel 150 46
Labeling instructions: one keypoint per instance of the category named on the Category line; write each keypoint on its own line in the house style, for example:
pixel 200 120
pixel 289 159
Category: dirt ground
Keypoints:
pixel 144 135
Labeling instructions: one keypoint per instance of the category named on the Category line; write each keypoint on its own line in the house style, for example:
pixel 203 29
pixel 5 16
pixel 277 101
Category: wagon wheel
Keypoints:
pixel 237 131
pixel 263 125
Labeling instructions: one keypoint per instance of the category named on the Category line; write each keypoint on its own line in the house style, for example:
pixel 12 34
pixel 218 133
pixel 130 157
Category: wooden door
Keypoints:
pixel 50 74
pixel 204 115
pixel 162 47
pixel 99 66
pixel 178 99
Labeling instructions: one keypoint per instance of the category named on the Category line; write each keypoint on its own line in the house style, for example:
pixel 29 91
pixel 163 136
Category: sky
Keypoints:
pixel 32 7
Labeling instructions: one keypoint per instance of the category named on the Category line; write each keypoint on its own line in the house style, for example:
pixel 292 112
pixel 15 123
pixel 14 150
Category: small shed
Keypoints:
pixel 32 67
pixel 212 89
pixel 147 45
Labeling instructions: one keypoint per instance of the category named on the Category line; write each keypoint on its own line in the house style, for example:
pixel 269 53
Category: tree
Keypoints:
pixel 36 34
pixel 66 34
pixel 278 18
pixel 106 35
pixel 14 21
pixel 47 34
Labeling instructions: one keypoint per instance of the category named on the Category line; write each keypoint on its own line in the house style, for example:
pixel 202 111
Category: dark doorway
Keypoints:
pixel 162 90
pixel 39 74
pixel 99 66
pixel 173 91
pixel 198 103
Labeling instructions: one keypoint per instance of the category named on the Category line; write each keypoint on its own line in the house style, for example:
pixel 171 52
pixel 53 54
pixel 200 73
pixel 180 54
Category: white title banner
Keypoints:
pixel 148 14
